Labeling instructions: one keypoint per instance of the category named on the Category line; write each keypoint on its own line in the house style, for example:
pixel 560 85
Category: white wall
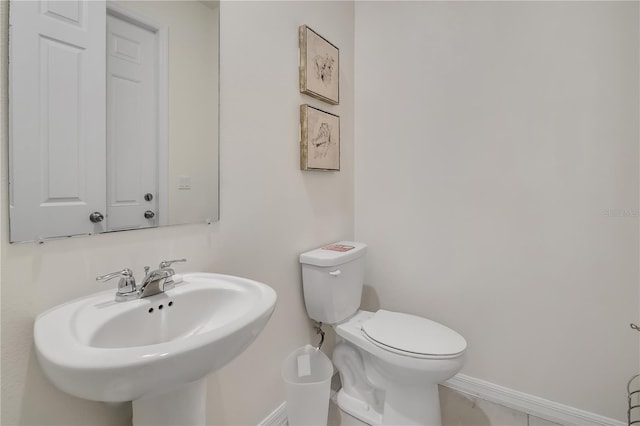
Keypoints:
pixel 493 138
pixel 270 212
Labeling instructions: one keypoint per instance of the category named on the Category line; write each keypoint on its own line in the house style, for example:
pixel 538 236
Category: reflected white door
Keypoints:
pixel 132 125
pixel 57 67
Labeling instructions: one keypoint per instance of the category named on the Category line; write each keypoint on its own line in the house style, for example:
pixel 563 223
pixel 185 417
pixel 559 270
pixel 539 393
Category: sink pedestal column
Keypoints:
pixel 184 405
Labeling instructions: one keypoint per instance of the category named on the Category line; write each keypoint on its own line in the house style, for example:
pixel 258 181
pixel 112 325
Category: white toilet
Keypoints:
pixel 390 363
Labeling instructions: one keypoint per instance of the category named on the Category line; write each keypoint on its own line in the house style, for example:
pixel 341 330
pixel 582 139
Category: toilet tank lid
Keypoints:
pixel 334 254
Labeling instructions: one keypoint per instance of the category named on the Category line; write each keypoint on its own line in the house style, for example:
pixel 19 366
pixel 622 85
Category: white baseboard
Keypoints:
pixel 277 418
pixel 529 404
pixel 536 406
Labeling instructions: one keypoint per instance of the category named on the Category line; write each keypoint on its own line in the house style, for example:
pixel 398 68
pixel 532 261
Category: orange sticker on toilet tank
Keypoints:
pixel 338 247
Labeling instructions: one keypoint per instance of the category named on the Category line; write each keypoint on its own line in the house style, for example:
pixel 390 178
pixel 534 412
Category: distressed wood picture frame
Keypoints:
pixel 319 139
pixel 319 66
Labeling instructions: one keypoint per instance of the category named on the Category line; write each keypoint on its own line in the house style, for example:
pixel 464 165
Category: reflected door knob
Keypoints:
pixel 149 214
pixel 96 217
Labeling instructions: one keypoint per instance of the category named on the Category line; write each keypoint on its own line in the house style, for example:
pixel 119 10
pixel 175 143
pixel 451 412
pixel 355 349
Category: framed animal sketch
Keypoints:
pixel 319 139
pixel 319 66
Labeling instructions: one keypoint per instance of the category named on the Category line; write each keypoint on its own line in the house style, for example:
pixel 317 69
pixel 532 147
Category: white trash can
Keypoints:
pixel 307 376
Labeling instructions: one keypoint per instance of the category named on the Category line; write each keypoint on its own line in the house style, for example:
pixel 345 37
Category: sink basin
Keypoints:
pixel 102 350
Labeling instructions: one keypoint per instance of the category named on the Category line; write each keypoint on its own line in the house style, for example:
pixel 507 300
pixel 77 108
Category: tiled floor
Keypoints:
pixel 458 410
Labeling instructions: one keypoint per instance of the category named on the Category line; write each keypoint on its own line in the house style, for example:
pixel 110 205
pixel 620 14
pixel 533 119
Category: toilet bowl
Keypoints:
pixel 385 382
pixel 390 363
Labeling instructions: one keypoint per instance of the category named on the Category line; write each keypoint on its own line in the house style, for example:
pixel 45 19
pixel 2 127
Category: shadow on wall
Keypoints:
pixel 370 301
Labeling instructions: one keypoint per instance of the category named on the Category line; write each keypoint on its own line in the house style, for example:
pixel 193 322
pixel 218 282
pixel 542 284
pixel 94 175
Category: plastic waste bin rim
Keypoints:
pixel 325 358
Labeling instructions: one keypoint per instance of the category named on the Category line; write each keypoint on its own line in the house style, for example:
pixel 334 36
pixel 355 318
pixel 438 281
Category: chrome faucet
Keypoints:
pixel 154 282
pixel 159 280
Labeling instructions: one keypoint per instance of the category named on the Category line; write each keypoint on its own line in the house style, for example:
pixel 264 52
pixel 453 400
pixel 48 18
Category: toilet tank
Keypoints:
pixel 332 278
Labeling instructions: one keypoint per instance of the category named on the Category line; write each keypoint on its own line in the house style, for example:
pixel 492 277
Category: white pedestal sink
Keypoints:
pixel 154 351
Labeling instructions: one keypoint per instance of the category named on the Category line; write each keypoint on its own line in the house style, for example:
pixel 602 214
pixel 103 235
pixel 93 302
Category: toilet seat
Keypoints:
pixel 412 335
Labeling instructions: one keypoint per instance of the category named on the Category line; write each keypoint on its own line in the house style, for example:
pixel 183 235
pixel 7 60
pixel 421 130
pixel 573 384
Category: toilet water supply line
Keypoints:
pixel 633 391
pixel 318 327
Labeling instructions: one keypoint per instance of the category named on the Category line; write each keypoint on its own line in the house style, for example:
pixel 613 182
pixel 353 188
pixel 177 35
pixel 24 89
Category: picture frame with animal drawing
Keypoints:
pixel 319 66
pixel 319 139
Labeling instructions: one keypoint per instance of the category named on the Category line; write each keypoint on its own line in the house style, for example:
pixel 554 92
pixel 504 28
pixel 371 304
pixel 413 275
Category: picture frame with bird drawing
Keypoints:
pixel 319 139
pixel 319 66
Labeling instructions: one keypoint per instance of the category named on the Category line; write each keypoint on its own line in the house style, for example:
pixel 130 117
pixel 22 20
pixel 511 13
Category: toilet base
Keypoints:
pixel 412 405
pixel 407 405
pixel 381 387
pixel 358 409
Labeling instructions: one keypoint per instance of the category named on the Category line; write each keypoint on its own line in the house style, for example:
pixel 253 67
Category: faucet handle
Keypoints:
pixel 167 263
pixel 124 273
pixel 127 283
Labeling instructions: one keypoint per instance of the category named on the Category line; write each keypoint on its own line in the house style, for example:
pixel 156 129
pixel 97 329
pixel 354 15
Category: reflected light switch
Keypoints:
pixel 184 182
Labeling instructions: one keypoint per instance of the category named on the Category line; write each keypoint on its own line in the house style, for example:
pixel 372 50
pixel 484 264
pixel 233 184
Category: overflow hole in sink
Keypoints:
pixel 150 310
pixel 170 303
pixel 160 307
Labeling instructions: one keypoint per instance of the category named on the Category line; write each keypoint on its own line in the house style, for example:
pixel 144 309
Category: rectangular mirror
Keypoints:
pixel 113 116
